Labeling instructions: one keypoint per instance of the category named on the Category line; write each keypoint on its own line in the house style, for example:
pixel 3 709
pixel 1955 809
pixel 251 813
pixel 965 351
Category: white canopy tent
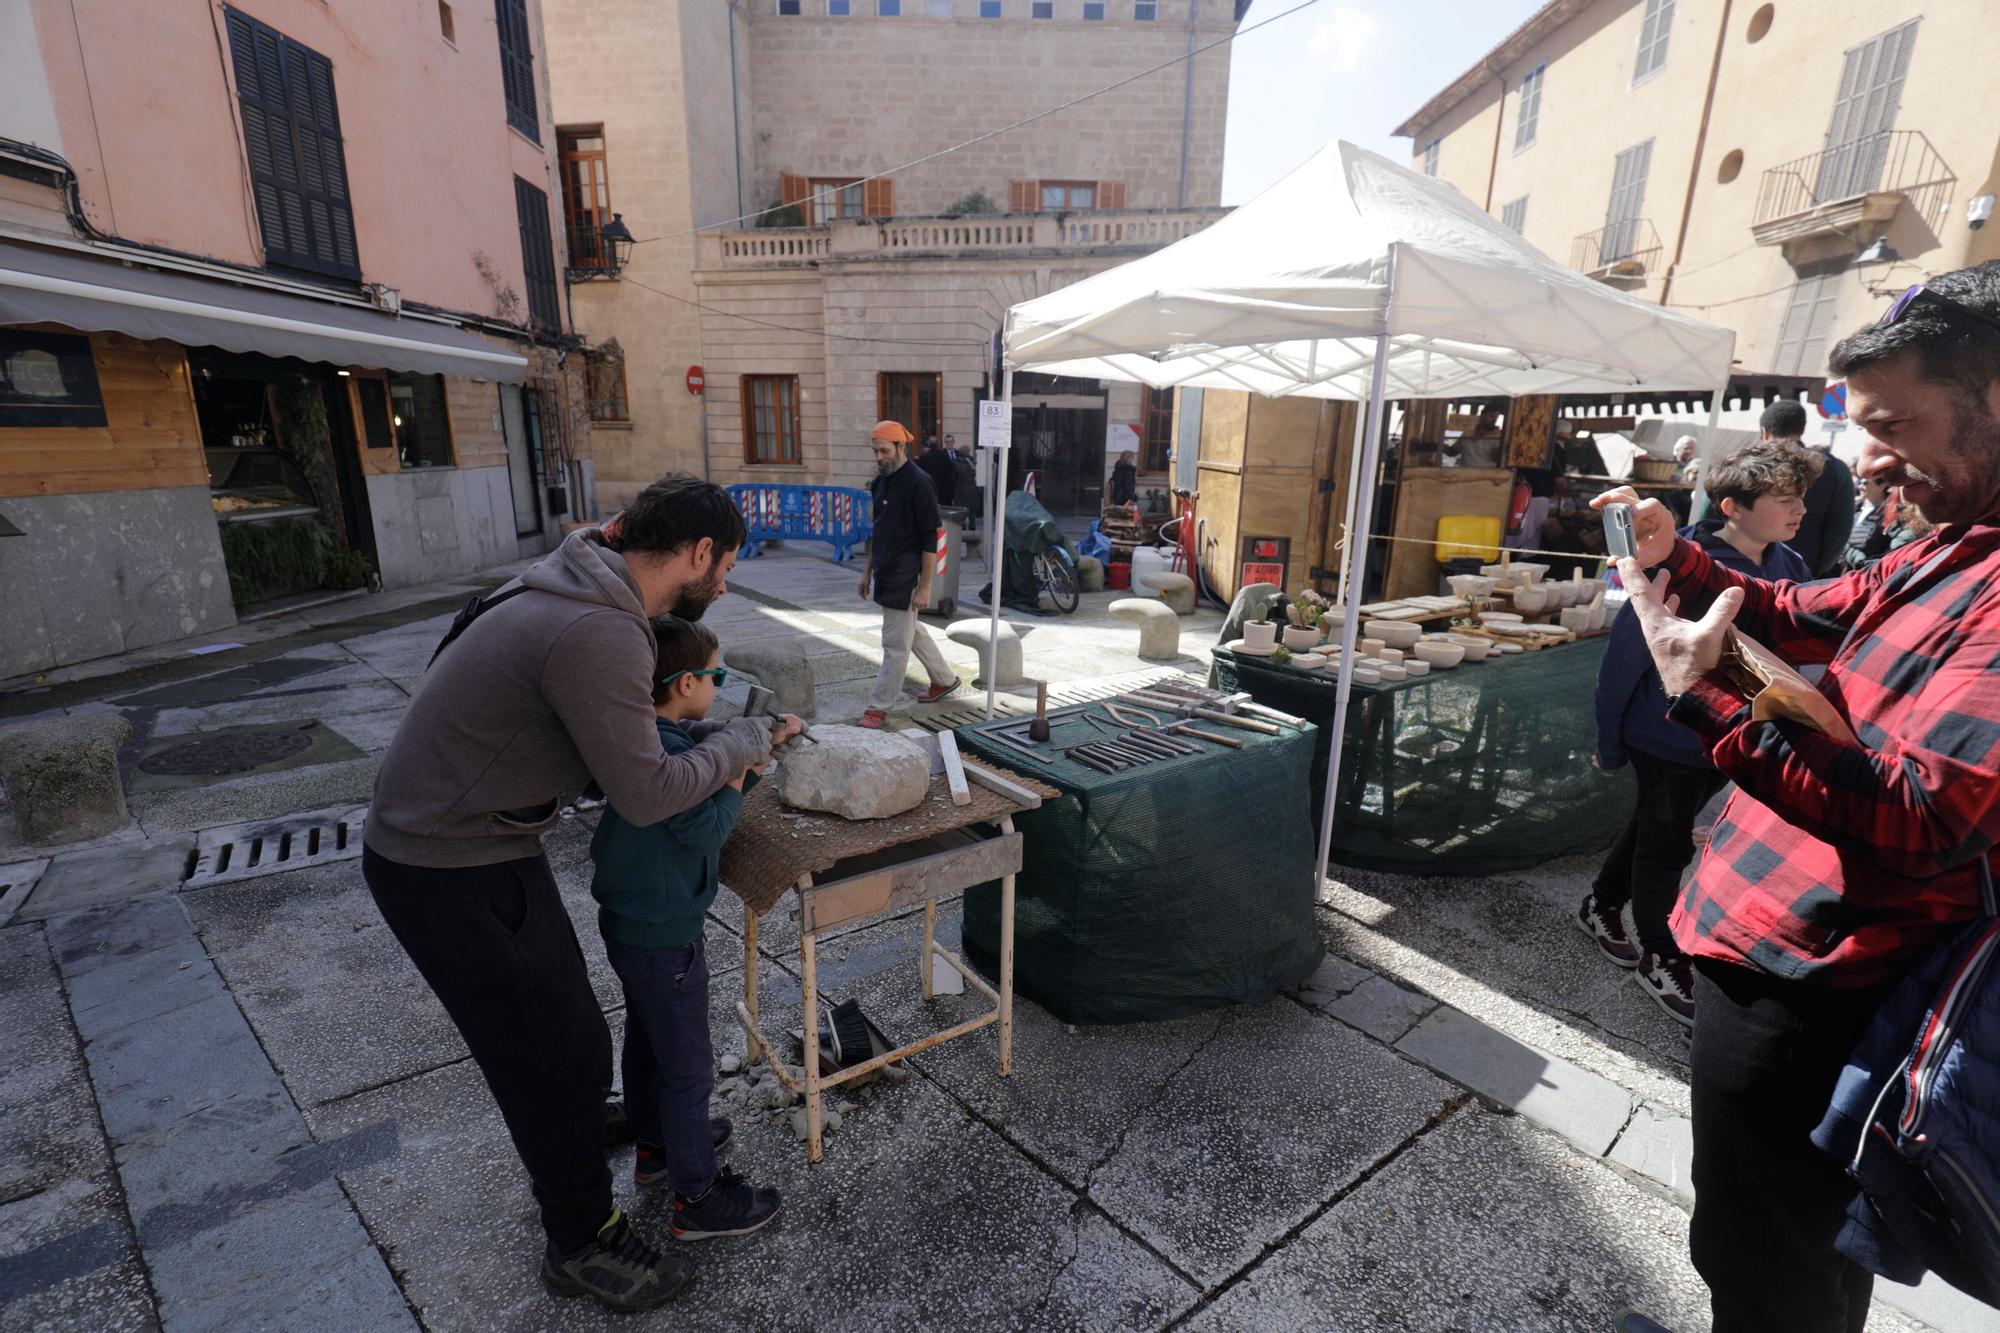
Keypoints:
pixel 1356 278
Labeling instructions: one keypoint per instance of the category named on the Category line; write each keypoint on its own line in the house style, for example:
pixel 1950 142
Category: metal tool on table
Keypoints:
pixel 1238 702
pixel 1038 730
pixel 760 704
pixel 1186 708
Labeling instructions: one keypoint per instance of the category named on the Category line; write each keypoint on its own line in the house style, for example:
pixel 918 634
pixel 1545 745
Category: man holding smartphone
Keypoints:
pixel 1835 866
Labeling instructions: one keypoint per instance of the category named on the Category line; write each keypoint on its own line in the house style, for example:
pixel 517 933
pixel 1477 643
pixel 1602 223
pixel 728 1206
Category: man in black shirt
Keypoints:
pixel 902 557
pixel 1822 537
pixel 942 470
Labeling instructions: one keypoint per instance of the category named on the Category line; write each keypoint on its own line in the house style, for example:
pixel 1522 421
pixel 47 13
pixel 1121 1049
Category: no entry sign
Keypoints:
pixel 694 379
pixel 1833 403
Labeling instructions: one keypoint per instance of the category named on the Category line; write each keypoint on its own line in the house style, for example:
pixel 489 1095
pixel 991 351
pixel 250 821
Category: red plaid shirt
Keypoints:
pixel 1831 864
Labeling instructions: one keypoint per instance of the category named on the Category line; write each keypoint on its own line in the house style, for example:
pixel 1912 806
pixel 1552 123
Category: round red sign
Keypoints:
pixel 694 379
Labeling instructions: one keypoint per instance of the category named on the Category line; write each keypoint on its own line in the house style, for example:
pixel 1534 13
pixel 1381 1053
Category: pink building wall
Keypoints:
pixel 146 100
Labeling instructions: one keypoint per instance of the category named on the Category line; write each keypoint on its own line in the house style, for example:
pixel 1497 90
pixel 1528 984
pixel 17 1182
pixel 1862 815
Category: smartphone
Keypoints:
pixel 1618 539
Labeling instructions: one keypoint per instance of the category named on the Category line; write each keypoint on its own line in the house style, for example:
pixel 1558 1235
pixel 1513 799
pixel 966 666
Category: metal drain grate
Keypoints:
pixel 272 846
pixel 17 881
pixel 213 756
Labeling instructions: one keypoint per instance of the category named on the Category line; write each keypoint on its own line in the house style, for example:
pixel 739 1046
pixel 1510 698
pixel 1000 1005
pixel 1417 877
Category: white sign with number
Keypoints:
pixel 996 425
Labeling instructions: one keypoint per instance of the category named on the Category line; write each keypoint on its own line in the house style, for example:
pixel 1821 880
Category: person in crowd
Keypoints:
pixel 1685 459
pixel 653 884
pixel 1887 522
pixel 1480 446
pixel 1760 492
pixel 902 559
pixel 941 466
pixel 1838 862
pixel 970 496
pixel 549 688
pixel 1124 480
pixel 1829 504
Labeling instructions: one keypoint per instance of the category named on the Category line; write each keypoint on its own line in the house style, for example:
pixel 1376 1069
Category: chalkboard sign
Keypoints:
pixel 48 379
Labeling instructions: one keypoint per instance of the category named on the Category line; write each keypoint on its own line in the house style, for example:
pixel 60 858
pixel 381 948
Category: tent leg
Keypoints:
pixel 996 542
pixel 1352 583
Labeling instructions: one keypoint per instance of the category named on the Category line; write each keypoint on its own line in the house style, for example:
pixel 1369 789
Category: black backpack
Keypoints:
pixel 473 609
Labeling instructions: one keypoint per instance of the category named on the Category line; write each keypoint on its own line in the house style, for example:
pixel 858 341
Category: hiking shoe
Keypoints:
pixel 649 1161
pixel 730 1207
pixel 619 1269
pixel 1670 981
pixel 937 692
pixel 1607 927
pixel 873 719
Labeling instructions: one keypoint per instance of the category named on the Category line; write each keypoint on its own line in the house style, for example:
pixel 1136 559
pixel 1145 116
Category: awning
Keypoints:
pixel 52 287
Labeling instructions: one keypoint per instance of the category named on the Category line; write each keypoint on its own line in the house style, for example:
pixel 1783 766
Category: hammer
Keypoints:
pixel 759 705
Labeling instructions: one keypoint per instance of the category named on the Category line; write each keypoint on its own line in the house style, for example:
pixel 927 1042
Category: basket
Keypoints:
pixel 1655 469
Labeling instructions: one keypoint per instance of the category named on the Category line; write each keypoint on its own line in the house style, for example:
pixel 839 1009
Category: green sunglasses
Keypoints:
pixel 721 675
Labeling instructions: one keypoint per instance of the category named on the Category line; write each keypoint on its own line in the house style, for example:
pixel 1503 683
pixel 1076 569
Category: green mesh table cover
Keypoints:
pixel 1474 770
pixel 1161 890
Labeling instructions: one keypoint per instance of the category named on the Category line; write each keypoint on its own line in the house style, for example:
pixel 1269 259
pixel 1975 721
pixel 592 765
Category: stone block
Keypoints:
pixel 1174 590
pixel 975 634
pixel 1089 573
pixel 1159 627
pixel 779 665
pixel 1660 1145
pixel 1585 1108
pixel 62 777
pixel 855 773
pixel 1382 1009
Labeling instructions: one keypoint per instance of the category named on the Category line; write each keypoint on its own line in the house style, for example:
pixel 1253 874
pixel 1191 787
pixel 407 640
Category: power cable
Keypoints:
pixel 992 134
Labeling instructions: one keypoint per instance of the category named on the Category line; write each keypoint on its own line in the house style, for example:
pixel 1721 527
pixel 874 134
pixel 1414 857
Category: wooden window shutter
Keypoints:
pixel 1111 195
pixel 298 163
pixel 517 67
pixel 792 189
pixel 878 198
pixel 1024 196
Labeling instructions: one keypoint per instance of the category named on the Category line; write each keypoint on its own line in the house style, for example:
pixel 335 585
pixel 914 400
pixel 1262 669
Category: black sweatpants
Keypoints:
pixel 1767 1203
pixel 496 945
pixel 1645 864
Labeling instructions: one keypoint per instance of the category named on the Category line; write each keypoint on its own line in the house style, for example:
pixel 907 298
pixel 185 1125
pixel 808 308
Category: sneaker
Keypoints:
pixel 873 719
pixel 1670 981
pixel 649 1161
pixel 937 692
pixel 1607 927
pixel 619 1269
pixel 730 1207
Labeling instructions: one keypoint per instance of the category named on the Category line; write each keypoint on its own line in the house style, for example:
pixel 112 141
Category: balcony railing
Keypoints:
pixel 1619 251
pixel 1862 181
pixel 590 255
pixel 993 236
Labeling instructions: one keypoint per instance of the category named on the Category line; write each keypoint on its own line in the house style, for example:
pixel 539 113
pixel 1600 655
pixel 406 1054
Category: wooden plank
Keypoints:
pixel 908 883
pixel 954 770
pixel 1423 496
pixel 992 781
pixel 150 438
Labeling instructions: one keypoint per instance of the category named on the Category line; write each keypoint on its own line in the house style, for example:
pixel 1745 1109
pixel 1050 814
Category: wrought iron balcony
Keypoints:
pixel 1619 252
pixel 591 254
pixel 1854 187
pixel 995 236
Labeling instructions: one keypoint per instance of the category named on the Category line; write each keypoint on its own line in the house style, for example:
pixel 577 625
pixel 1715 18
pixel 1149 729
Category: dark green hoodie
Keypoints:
pixel 653 884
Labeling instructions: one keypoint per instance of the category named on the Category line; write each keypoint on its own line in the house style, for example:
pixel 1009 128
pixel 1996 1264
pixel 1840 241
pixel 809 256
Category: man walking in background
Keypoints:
pixel 942 468
pixel 902 558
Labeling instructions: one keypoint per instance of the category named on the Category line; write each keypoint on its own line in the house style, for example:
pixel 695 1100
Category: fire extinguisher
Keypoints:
pixel 1517 511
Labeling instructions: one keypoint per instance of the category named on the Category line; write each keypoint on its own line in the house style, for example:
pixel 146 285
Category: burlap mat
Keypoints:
pixel 773 844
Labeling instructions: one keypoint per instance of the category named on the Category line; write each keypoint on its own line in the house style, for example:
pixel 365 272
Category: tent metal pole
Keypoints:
pixel 996 540
pixel 1357 566
pixel 1347 523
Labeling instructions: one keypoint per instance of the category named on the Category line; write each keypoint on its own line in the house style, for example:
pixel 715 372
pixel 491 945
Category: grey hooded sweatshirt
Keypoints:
pixel 540 695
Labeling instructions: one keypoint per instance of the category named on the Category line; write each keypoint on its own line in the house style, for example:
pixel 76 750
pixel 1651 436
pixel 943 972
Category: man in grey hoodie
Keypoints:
pixel 548 689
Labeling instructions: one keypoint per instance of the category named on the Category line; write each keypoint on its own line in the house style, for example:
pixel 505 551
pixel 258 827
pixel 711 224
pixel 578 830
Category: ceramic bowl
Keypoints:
pixel 1301 638
pixel 1260 633
pixel 1394 633
pixel 1440 654
pixel 1476 649
pixel 1526 572
pixel 1471 585
pixel 1415 669
pixel 1533 597
pixel 1576 618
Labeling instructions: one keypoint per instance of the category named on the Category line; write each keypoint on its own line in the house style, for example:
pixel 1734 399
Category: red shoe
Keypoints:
pixel 873 719
pixel 937 692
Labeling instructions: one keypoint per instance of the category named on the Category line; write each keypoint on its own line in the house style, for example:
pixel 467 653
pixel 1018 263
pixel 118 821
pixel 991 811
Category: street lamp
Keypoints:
pixel 618 240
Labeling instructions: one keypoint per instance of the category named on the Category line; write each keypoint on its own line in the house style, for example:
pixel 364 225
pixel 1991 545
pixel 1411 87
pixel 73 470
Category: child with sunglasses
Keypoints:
pixel 653 886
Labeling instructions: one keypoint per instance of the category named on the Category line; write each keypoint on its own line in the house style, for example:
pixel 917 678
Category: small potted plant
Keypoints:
pixel 1260 635
pixel 1307 614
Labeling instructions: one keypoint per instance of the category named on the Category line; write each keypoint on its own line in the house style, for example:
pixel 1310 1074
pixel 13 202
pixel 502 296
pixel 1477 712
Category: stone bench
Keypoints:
pixel 1159 626
pixel 62 777
pixel 1176 590
pixel 781 668
pixel 1089 574
pixel 973 634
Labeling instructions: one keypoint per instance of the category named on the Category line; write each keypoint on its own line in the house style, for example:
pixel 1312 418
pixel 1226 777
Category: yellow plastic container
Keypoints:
pixel 1460 536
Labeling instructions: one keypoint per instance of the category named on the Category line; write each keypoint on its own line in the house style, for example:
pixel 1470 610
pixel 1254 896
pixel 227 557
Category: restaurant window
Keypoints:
pixel 417 415
pixel 1158 450
pixel 538 255
pixel 586 196
pixel 1145 11
pixel 1530 109
pixel 1514 217
pixel 1431 157
pixel 912 398
pixel 833 200
pixel 1093 10
pixel 1654 30
pixel 771 419
pixel 517 67
pixel 1058 196
pixel 298 164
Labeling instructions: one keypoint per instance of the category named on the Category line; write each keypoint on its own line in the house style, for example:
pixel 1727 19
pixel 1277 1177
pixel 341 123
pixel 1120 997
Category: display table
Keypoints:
pixel 1478 769
pixel 1161 890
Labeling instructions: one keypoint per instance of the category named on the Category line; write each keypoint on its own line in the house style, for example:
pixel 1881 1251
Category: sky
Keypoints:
pixel 1346 69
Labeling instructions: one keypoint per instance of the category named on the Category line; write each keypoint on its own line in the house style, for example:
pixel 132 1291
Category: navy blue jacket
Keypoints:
pixel 1631 705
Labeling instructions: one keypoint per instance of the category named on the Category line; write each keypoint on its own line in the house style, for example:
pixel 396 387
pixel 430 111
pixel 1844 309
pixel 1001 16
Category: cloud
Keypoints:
pixel 1344 38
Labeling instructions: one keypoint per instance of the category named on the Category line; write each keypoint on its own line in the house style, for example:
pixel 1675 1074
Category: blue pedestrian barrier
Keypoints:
pixel 838 515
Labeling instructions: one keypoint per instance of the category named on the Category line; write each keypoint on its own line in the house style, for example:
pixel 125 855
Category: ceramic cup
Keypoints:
pixel 1301 638
pixel 1259 633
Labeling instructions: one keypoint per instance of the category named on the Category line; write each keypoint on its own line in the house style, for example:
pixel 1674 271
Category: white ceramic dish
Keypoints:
pixel 1301 638
pixel 1364 676
pixel 1238 646
pixel 1499 618
pixel 1415 669
pixel 1444 655
pixel 1391 673
pixel 1392 654
pixel 1260 635
pixel 1394 633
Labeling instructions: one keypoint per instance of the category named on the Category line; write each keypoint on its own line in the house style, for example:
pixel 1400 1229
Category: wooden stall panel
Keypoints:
pixel 1424 496
pixel 150 440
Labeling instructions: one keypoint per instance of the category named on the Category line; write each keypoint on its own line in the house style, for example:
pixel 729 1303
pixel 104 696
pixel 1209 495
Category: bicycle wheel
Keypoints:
pixel 1052 568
